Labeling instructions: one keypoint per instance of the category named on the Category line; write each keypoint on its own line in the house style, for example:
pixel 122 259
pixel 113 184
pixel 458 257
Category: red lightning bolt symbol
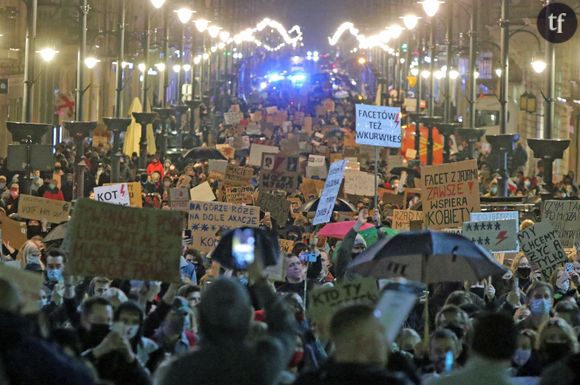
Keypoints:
pixel 397 120
pixel 502 235
pixel 122 190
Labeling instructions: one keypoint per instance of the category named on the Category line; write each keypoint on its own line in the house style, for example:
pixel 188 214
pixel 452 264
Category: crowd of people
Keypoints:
pixel 219 326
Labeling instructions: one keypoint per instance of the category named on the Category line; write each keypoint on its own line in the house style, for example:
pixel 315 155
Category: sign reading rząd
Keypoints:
pixel 378 125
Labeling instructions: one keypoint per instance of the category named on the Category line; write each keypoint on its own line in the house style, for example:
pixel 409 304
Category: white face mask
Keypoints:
pixel 130 331
pixel 521 356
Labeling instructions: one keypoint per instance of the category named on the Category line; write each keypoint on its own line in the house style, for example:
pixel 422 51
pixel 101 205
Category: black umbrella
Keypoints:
pixel 340 205
pixel 265 247
pixel 56 234
pixel 203 153
pixel 428 257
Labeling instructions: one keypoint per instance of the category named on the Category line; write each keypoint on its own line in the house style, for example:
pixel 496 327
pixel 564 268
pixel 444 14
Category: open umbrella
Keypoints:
pixel 57 233
pixel 340 205
pixel 339 230
pixel 428 257
pixel 203 153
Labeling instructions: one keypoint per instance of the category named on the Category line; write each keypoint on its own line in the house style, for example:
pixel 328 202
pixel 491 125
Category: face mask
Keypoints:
pixel 54 275
pixel 130 331
pixel 51 186
pixel 97 334
pixel 456 329
pixel 479 291
pixel 521 356
pixel 2 185
pixel 554 351
pixel 540 306
pixel 564 286
pixel 42 303
pixel 494 190
pixel 524 272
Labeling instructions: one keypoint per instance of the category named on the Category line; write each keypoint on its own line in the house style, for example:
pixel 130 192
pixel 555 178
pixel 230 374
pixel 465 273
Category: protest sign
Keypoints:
pixel 277 206
pixel 279 172
pixel 402 218
pixel 565 217
pixel 286 246
pixel 231 118
pixel 316 160
pixel 202 192
pixel 256 152
pixel 254 129
pixel 208 219
pixel 226 150
pixel 117 194
pixel 13 231
pixel 330 192
pixel 28 284
pixel 238 175
pixel 135 191
pixel 139 244
pixel 449 192
pixel 541 245
pixel 311 188
pixel 316 172
pixel 359 183
pixel 324 301
pixel 290 146
pixel 277 272
pixel 239 194
pixel 495 236
pixel 498 216
pixel 54 211
pixel 217 166
pixel 378 125
pixel 178 194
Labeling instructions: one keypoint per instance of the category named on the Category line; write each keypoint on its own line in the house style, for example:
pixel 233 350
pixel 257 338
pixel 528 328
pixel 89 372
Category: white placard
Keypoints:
pixel 378 125
pixel 330 192
pixel 117 194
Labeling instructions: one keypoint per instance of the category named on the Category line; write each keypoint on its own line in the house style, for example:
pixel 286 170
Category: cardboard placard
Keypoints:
pixel 117 194
pixel 54 211
pixel 202 192
pixel 278 207
pixel 13 231
pixel 378 126
pixel 402 219
pixel 277 272
pixel 279 172
pixel 178 194
pixel 256 151
pixel 359 183
pixel 565 217
pixel 207 219
pixel 286 245
pixel 238 175
pixel 256 116
pixel 495 236
pixel 231 118
pixel 316 160
pixel 541 245
pixel 311 188
pixel 324 301
pixel 217 166
pixel 226 150
pixel 290 146
pixel 254 129
pixel 239 194
pixel 449 192
pixel 330 192
pixel 28 284
pixel 316 172
pixel 139 244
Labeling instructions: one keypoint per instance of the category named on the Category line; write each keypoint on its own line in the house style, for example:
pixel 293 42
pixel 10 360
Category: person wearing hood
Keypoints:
pixel 155 165
pixel 53 192
pixel 224 355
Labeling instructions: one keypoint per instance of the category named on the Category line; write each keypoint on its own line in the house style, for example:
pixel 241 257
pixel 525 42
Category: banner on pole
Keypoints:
pixel 378 125
pixel 330 192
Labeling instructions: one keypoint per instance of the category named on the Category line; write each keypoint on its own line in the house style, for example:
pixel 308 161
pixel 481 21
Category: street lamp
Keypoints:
pixel 157 3
pixel 184 14
pixel 214 31
pixel 498 72
pixel 142 67
pixel 47 54
pixel 91 62
pixel 160 67
pixel 410 21
pixel 201 24
pixel 425 74
pixel 414 71
pixel 224 36
pixel 430 7
pixel 453 74
pixel 176 68
pixel 538 65
pixel 395 31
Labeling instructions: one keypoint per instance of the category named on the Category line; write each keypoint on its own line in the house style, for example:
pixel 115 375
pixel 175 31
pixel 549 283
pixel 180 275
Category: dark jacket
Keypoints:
pixel 333 373
pixel 28 360
pixel 235 361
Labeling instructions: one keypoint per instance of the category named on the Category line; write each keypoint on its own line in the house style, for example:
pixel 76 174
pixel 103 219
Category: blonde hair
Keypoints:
pixel 564 327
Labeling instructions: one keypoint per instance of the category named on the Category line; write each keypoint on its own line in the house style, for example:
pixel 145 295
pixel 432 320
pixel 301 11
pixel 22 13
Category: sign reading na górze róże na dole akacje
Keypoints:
pixel 378 125
pixel 207 219
pixel 449 192
pixel 330 192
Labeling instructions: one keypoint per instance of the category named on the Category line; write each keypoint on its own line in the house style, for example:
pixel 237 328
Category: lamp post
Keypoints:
pixel 120 60
pixel 79 131
pixel 447 99
pixel 79 91
pixel 29 59
pixel 550 88
pixel 117 125
pixel 505 36
pixel 143 119
pixel 472 80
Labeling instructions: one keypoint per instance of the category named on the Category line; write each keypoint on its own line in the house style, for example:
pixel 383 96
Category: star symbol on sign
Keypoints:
pixel 489 226
pixel 480 241
pixel 487 240
pixel 195 227
pixel 475 227
pixel 468 227
pixel 497 226
pixel 204 228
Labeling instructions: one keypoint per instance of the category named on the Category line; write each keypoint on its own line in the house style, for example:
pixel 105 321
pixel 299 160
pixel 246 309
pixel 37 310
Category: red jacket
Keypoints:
pixel 57 195
pixel 155 166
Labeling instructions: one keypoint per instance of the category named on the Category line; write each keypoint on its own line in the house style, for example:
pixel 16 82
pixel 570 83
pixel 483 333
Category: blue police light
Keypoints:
pixel 275 77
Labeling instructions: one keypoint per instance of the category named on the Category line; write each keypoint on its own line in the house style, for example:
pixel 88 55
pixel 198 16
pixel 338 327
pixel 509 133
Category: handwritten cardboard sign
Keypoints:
pixel 178 194
pixel 31 207
pixel 449 192
pixel 330 192
pixel 359 183
pixel 238 175
pixel 279 172
pixel 13 231
pixel 286 246
pixel 239 194
pixel 28 284
pixel 565 217
pixel 378 125
pixel 495 236
pixel 202 192
pixel 541 245
pixel 311 188
pixel 117 194
pixel 231 118
pixel 208 219
pixel 393 199
pixel 278 207
pixel 402 218
pixel 217 166
pixel 123 242
pixel 324 301
pixel 226 150
pixel 256 151
pixel 135 191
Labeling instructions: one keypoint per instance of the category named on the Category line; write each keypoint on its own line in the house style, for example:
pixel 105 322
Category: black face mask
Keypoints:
pixel 479 291
pixel 524 272
pixel 456 329
pixel 97 334
pixel 554 351
pixel 33 231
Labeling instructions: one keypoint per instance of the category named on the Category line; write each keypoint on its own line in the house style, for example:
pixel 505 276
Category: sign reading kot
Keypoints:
pixel 378 125
pixel 450 192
